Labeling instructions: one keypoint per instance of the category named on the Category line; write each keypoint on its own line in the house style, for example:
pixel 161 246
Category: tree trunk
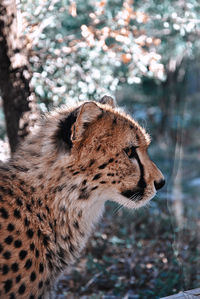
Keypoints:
pixel 18 101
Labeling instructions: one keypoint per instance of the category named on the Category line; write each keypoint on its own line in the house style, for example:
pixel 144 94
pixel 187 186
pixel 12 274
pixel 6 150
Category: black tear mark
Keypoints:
pixel 141 183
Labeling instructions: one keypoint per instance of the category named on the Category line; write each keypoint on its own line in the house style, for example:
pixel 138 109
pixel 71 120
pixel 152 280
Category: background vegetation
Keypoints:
pixel 146 55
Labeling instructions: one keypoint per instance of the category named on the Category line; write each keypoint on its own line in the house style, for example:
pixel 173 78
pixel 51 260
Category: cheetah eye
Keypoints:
pixel 131 151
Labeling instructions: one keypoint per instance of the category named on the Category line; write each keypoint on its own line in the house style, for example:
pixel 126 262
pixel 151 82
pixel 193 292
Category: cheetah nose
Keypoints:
pixel 160 184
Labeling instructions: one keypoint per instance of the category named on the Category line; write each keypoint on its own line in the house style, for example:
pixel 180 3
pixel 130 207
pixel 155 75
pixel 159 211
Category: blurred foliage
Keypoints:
pixel 83 49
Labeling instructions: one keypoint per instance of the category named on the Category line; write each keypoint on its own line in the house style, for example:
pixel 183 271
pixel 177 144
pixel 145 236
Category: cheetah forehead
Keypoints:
pixel 57 125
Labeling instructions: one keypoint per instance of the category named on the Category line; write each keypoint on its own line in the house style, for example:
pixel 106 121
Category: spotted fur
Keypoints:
pixel 53 190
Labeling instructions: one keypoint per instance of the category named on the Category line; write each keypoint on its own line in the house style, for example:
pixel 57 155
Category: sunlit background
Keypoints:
pixel 146 54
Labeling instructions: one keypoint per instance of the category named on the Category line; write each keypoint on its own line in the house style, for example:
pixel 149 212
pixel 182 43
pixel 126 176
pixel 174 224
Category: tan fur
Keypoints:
pixel 51 197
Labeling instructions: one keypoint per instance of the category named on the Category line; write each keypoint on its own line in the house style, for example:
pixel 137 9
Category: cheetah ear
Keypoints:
pixel 108 100
pixel 88 112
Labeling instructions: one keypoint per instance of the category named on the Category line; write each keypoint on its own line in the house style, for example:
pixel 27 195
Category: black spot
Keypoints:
pixel 32 189
pixel 37 254
pixel 103 182
pixel 28 206
pixel 131 126
pixel 60 188
pixel 94 188
pixel 102 166
pixel 17 214
pixel 19 202
pixel 1 248
pixel 31 297
pixel 18 243
pixel 30 233
pixel 47 208
pixel 28 264
pixel 10 227
pixel 137 137
pixel 76 225
pixel 84 182
pixel 32 246
pixel 84 194
pixel 26 222
pixel 40 285
pixel 110 174
pixel 111 160
pixel 113 182
pixel 71 248
pixel 8 240
pixel 12 296
pixel 7 285
pixel 39 202
pixel 5 269
pixel 4 214
pixel 92 161
pixel 46 240
pixel 63 209
pixel 49 255
pixel 76 172
pixel 114 121
pixel 22 254
pixel 40 176
pixel 80 214
pixel 97 176
pixel 15 267
pixel 7 255
pixel 41 268
pixel 39 232
pixel 22 289
pixel 18 278
pixel 33 276
pixel 98 148
pixel 39 217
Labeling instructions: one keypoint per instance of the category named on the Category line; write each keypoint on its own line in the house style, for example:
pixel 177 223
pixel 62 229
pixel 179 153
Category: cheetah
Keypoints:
pixel 53 190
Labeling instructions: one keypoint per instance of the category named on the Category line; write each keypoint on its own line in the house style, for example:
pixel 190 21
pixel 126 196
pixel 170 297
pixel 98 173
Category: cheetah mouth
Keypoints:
pixel 135 194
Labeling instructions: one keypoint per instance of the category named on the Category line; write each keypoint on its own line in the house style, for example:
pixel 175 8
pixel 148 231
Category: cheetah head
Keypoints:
pixel 108 151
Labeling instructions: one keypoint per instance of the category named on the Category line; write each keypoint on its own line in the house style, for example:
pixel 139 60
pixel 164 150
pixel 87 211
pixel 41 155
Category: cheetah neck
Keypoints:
pixel 57 189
